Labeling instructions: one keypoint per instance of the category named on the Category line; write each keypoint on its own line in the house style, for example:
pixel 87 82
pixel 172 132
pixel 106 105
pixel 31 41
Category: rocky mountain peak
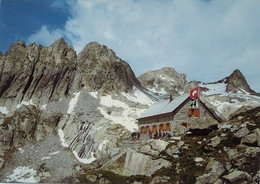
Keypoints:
pixel 166 80
pixel 237 81
pixel 101 70
pixel 17 45
pixel 61 51
pixel 94 52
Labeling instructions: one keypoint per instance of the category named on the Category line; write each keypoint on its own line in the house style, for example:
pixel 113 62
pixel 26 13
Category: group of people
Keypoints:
pixel 136 136
pixel 159 135
pixel 153 135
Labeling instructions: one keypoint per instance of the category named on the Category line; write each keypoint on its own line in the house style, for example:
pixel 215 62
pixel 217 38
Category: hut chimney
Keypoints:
pixel 171 97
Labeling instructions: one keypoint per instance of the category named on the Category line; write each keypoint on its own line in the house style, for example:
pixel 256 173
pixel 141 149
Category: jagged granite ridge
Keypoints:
pixel 49 73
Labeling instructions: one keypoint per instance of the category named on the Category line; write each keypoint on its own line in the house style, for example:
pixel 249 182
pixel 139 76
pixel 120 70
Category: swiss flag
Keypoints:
pixel 194 93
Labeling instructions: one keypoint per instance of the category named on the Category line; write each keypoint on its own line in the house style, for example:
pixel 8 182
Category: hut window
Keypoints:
pixel 161 127
pixel 142 130
pixel 194 112
pixel 165 127
pixel 168 126
pixel 147 129
pixel 154 128
pixel 185 124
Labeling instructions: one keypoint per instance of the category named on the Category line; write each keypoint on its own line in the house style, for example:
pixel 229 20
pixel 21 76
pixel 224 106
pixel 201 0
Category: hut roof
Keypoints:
pixel 164 107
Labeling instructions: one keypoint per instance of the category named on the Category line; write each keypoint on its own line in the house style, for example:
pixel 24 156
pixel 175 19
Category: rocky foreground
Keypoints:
pixel 230 154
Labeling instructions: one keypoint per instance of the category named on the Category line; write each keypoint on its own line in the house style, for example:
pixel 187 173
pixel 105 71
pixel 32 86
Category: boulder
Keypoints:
pixel 250 139
pixel 45 175
pixel 215 166
pixel 180 144
pixel 241 133
pixel 133 163
pixel 173 150
pixel 232 153
pixel 159 145
pixel 160 180
pixel 203 129
pixel 2 161
pixel 256 178
pixel 215 141
pixel 154 147
pixel 92 178
pixel 209 178
pixel 104 181
pixel 147 149
pixel 257 133
pixel 235 176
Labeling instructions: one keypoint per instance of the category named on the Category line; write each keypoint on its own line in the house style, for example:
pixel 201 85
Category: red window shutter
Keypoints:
pixel 196 113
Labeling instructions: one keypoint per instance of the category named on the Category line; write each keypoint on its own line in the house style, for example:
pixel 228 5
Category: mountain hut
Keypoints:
pixel 177 116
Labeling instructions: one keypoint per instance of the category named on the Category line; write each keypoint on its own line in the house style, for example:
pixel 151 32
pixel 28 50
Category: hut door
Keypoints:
pixel 154 128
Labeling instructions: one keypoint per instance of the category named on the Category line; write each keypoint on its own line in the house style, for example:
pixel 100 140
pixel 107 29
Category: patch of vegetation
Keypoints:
pixel 112 177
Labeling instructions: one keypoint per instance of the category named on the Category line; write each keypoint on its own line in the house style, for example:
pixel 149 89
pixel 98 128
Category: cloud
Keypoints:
pixel 45 36
pixel 59 5
pixel 207 40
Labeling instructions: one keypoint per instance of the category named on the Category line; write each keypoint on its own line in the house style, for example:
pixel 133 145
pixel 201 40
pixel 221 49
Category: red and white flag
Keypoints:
pixel 194 93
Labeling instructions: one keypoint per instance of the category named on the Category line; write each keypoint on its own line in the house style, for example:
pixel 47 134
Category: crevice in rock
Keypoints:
pixel 13 133
pixel 37 82
pixel 56 80
pixel 67 89
pixel 28 83
pixel 6 85
pixel 57 121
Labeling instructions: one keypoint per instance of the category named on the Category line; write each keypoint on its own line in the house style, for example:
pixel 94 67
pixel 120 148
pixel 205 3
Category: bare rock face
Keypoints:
pixel 132 163
pixel 99 69
pixel 45 74
pixel 165 79
pixel 235 176
pixel 236 81
pixel 36 72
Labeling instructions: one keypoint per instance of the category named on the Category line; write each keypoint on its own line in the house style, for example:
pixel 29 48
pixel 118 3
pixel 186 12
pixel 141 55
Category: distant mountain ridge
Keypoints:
pixel 169 81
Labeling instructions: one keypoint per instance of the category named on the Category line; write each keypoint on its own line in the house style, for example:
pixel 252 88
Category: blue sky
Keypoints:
pixel 206 40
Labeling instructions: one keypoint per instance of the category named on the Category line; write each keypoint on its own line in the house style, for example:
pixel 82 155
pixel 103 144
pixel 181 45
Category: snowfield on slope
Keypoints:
pixel 23 174
pixel 128 116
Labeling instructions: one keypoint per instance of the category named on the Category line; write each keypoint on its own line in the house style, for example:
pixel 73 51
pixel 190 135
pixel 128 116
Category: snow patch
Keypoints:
pixel 23 174
pixel 198 159
pixel 20 150
pixel 224 126
pixel 94 94
pixel 109 102
pixel 30 102
pixel 62 139
pixel 43 107
pixel 73 102
pixel 138 97
pixel 3 110
pixel 218 88
pixel 85 160
pixel 124 119
pixel 45 158
pixel 176 138
pixel 102 144
pixel 54 153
